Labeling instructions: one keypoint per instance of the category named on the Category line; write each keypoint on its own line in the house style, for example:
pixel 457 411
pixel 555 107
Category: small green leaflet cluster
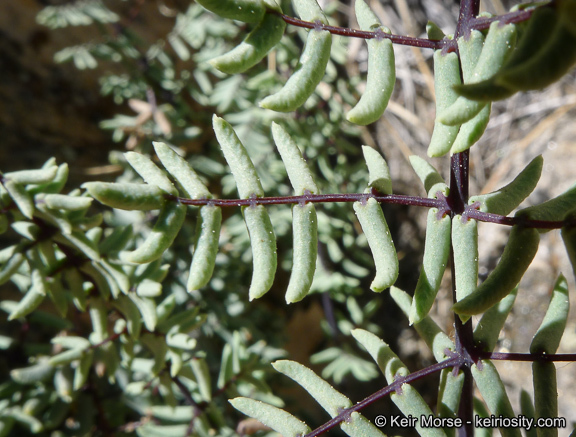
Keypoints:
pixel 460 122
pixel 240 371
pixel 518 254
pixel 494 67
pixel 523 241
pixel 130 338
pixel 490 64
pixel 172 213
pixel 407 399
pixel 160 193
pixel 334 402
pixel 545 52
pixel 314 59
pixel 82 14
pixel 68 257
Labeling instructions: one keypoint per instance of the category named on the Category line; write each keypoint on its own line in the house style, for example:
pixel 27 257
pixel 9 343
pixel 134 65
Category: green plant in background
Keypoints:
pixel 130 320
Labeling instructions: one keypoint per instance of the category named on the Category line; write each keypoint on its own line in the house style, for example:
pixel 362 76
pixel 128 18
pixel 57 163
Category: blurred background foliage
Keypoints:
pixel 86 80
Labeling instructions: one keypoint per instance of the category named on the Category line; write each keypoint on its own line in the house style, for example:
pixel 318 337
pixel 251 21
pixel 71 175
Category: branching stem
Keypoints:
pixel 451 205
pixel 466 22
pixel 455 361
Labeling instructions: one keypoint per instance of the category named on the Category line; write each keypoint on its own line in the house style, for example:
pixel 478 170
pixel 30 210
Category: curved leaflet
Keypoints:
pixel 209 217
pixel 306 77
pixel 163 233
pixel 262 238
pixel 494 394
pixel 436 251
pixel 381 70
pixel 150 172
pixel 527 409
pixel 21 197
pixel 298 172
pixel 11 266
pixel 465 247
pixel 547 338
pixel 75 284
pixel 131 314
pixel 432 180
pixel 68 203
pixel 330 399
pixel 470 50
pixel 249 11
pixel 545 385
pixel 263 243
pixel 66 357
pixel 518 254
pixel 488 329
pixel 182 172
pixel 33 374
pixel 82 371
pixel 205 247
pixel 202 374
pixel 449 395
pixel 117 240
pixel 304 220
pixel 470 131
pixel 446 76
pixel 241 165
pixel 546 341
pixel 305 231
pixel 31 300
pixel 126 196
pixel 25 177
pixel 279 420
pixel 309 10
pixel 380 241
pixel 406 398
pixel 538 31
pixel 254 48
pixel 554 209
pixel 99 318
pixel 147 307
pixel 507 198
pixel 499 42
pixel 549 60
pixel 33 297
pixel 378 171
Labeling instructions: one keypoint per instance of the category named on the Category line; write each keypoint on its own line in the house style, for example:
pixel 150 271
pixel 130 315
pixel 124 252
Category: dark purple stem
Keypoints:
pixel 466 22
pixel 354 33
pixel 458 201
pixel 454 204
pixel 316 198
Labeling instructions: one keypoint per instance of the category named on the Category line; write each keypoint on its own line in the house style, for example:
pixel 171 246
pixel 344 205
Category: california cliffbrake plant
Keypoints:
pixel 131 343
